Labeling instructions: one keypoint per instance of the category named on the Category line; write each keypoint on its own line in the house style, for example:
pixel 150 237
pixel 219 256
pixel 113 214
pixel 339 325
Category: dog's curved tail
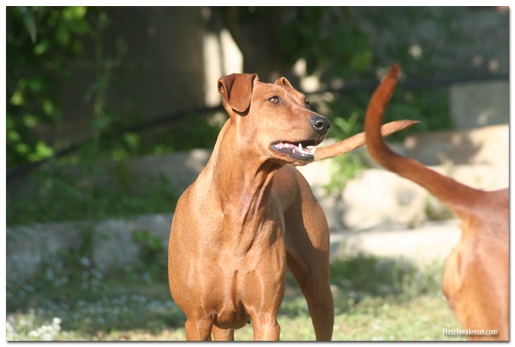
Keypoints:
pixel 450 192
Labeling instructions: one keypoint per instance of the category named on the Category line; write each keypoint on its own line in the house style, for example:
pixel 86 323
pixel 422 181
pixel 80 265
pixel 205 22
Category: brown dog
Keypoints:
pixel 476 277
pixel 250 214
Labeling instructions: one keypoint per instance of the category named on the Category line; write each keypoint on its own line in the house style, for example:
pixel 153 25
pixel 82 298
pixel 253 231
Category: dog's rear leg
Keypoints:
pixel 314 283
pixel 222 334
pixel 307 245
pixel 198 329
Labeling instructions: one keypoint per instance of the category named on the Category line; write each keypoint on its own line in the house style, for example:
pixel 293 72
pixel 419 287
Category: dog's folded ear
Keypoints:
pixel 283 82
pixel 237 90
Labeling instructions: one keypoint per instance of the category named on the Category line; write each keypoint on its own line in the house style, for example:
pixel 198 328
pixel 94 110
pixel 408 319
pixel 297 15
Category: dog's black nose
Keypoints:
pixel 321 124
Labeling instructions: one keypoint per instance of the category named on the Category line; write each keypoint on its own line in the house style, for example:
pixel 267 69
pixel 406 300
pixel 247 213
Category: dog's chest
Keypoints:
pixel 242 283
pixel 225 299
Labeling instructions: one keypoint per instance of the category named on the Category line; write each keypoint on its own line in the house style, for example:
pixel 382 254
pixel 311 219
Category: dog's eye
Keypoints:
pixel 307 103
pixel 274 99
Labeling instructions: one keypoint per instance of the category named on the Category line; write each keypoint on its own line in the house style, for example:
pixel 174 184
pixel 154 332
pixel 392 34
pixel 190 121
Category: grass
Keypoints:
pixel 68 193
pixel 375 299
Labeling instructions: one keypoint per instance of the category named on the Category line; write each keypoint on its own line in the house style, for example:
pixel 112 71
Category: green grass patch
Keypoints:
pixel 376 299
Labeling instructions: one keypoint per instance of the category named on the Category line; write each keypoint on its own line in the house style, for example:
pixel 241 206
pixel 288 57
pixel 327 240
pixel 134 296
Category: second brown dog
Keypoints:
pixel 476 277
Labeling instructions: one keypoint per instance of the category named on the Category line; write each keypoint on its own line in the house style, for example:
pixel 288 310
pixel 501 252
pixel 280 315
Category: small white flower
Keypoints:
pixel 84 261
pixel 415 51
pixel 56 322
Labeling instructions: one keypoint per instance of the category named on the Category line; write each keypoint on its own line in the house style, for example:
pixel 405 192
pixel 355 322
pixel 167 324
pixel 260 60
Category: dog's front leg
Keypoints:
pixel 198 329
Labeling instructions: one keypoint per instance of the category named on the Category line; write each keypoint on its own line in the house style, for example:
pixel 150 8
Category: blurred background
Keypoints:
pixel 112 112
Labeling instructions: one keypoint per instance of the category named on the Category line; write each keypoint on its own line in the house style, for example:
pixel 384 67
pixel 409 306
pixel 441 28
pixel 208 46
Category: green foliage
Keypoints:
pixel 29 22
pixel 152 254
pixel 193 131
pixel 326 38
pixel 345 167
pixel 429 107
pixel 39 40
pixel 62 195
pixel 38 70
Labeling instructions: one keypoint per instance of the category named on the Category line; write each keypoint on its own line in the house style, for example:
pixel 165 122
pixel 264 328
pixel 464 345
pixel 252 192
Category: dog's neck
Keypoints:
pixel 249 177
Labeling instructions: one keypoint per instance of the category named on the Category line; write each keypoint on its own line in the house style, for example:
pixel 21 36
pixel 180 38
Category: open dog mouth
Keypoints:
pixel 297 150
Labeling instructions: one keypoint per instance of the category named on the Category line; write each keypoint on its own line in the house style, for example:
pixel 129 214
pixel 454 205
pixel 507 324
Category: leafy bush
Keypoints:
pixel 60 195
pixel 39 41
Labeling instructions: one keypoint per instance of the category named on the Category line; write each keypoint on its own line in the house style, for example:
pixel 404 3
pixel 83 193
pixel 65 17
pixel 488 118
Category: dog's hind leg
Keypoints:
pixel 315 287
pixel 307 246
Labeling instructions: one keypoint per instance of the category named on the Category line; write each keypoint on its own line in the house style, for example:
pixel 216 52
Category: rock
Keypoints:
pixel 113 248
pixel 429 243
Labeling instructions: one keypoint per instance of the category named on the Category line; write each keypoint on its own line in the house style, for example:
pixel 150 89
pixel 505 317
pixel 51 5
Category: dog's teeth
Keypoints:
pixel 300 147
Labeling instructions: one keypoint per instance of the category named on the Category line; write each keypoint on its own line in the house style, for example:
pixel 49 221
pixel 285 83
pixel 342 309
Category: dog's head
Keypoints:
pixel 274 119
